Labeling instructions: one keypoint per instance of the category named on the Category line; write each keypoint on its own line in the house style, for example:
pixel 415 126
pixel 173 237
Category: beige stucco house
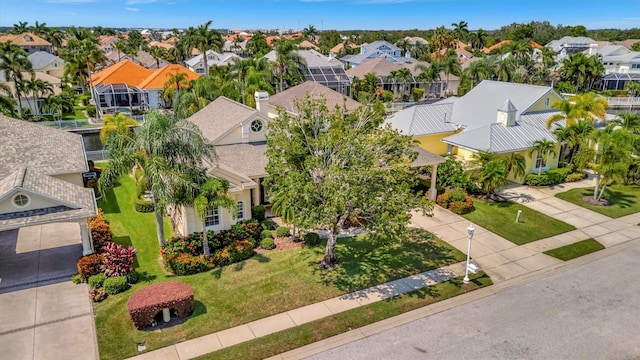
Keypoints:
pixel 40 183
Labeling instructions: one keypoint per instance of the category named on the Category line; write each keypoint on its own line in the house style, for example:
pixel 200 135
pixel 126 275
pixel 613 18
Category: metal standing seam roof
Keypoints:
pixel 424 119
pixel 498 138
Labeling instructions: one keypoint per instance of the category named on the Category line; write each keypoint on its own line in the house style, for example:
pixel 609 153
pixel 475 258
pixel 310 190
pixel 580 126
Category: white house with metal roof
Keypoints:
pixel 621 66
pixel 494 116
pixel 196 63
pixel 375 50
pixel 568 45
pixel 39 183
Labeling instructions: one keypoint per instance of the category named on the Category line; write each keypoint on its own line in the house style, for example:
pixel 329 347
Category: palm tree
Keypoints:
pixel 13 62
pixel 543 148
pixel 119 123
pixel 515 163
pixel 614 158
pixel 441 41
pixel 19 28
pixel 506 69
pixel 287 64
pixel 478 39
pixel 493 176
pixel 121 47
pixel 53 105
pixel 204 39
pixel 7 103
pixel 212 195
pixel 429 74
pixel 581 70
pixel 55 37
pixel 450 65
pixel 174 84
pixel 167 152
pixel 157 53
pixel 627 121
pixel 478 71
pixel 82 57
pixel 310 33
pixel 37 88
pixel 587 106
pixel 460 29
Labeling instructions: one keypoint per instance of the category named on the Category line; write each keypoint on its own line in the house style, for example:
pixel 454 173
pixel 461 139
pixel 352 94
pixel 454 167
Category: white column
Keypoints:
pixel 433 191
pixel 87 243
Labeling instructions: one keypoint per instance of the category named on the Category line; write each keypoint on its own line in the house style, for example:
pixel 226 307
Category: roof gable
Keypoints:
pixel 221 116
pixel 287 99
pixel 123 72
pixel 159 77
pixel 40 59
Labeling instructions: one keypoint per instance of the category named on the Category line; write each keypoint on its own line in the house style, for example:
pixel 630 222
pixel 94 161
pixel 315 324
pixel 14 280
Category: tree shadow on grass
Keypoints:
pixel 616 198
pixel 109 202
pixel 364 263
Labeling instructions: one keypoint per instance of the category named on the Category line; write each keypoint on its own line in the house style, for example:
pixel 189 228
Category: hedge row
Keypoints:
pixel 146 303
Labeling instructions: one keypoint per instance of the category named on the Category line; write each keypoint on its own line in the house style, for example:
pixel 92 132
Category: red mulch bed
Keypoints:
pixel 282 244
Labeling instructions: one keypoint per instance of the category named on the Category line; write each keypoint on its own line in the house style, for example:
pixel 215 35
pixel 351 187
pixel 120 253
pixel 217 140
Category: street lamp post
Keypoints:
pixel 470 231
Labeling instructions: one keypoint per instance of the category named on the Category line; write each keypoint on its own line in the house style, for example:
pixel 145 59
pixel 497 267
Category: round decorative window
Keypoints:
pixel 256 125
pixel 21 200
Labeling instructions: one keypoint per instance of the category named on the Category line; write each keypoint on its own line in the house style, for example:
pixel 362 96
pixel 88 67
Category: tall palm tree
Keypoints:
pixel 119 123
pixel 212 195
pixel 441 41
pixel 19 28
pixel 310 33
pixel 7 103
pixel 543 148
pixel 587 106
pixel 14 62
pixel 287 64
pixel 581 70
pixel 37 88
pixel 121 47
pixel 82 57
pixel 167 151
pixel 157 53
pixel 627 121
pixel 204 39
pixel 478 39
pixel 460 29
pixel 450 65
pixel 429 74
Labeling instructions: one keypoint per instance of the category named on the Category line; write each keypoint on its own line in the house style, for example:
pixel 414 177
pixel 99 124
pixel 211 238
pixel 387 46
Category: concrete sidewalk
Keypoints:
pixel 269 325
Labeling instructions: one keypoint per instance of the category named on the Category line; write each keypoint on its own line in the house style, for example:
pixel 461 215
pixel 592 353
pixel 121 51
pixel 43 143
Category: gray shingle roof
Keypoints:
pixel 286 99
pixel 220 116
pixel 498 138
pixel 39 147
pixel 315 59
pixel 248 159
pixel 424 119
pixel 40 59
pixel 79 200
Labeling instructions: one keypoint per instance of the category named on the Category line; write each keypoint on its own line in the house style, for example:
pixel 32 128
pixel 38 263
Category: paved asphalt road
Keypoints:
pixel 587 312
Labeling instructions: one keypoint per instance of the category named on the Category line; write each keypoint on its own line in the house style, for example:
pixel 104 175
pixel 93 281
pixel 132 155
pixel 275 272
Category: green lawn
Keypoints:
pixel 625 200
pixel 77 114
pixel 261 286
pixel 500 218
pixel 336 324
pixel 575 250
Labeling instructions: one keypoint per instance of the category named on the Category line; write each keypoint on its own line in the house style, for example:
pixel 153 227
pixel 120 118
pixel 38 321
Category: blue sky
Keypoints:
pixel 323 14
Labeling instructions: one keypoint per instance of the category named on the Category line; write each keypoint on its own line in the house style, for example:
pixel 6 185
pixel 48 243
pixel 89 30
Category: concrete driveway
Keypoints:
pixel 42 314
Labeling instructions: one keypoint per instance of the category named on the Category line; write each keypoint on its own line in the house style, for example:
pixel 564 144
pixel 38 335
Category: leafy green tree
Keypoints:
pixel 119 123
pixel 327 179
pixel 167 152
pixel 257 45
pixel 212 195
pixel 543 148
pixel 636 46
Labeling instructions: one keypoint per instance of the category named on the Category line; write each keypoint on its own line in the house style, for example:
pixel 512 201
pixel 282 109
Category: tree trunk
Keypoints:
pixel 15 82
pixel 329 259
pixel 604 186
pixel 159 222
pixel 595 190
pixel 206 64
pixel 539 167
pixel 205 242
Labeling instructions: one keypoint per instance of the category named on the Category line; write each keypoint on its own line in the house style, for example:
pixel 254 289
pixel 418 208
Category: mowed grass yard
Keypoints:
pixel 625 200
pixel 500 218
pixel 264 285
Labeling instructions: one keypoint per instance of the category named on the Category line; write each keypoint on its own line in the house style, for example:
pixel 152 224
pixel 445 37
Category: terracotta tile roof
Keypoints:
pixel 336 49
pixel 271 39
pixel 159 77
pixel 124 72
pixel 489 49
pixel 106 38
pixel 287 99
pixel 25 39
pixel 306 44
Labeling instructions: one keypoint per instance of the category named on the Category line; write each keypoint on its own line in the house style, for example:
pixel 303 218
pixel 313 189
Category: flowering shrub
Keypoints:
pixel 186 264
pixel 89 265
pixel 147 302
pixel 100 231
pixel 455 200
pixel 97 295
pixel 117 260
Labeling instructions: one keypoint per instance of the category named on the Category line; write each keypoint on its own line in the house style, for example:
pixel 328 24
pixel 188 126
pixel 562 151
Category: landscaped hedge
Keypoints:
pixel 258 213
pixel 550 177
pixel 267 244
pixel 456 200
pixel 282 231
pixel 143 206
pixel 575 176
pixel 184 255
pixel 100 231
pixel 96 281
pixel 115 285
pixel 146 303
pixel 89 265
pixel 312 239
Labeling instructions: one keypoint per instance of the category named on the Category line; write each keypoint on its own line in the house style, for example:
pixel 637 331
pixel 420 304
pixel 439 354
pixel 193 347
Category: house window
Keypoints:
pixel 213 218
pixel 240 210
pixel 547 102
pixel 540 162
pixel 21 200
pixel 256 125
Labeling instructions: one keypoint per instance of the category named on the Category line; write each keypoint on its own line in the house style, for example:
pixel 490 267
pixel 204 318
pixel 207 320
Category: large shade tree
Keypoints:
pixel 327 180
pixel 167 152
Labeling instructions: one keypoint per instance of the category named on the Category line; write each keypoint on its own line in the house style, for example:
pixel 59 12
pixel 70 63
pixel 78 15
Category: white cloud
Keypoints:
pixel 132 9
pixel 133 2
pixel 71 1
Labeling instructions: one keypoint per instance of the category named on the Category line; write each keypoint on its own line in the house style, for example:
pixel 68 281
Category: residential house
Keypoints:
pixel 306 44
pixel 341 50
pixel 375 50
pixel 621 66
pixel 29 42
pixel 47 63
pixel 196 63
pixel 497 46
pixel 142 58
pixel 41 178
pixel 287 99
pixel 382 68
pixel 494 116
pixel 106 43
pixel 325 70
pixel 568 45
pixel 33 102
pixel 126 86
